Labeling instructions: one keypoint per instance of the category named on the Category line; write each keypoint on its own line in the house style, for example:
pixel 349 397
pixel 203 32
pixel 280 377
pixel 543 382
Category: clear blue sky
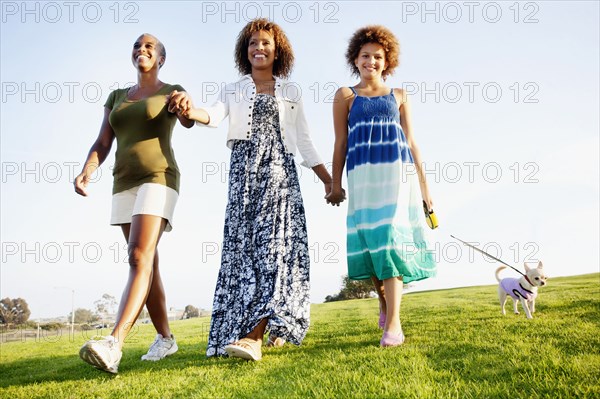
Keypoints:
pixel 505 110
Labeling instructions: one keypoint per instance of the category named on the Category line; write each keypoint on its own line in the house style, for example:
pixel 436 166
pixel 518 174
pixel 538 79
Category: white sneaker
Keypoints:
pixel 161 348
pixel 103 354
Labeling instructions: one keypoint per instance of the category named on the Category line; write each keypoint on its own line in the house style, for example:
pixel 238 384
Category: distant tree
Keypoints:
pixel 14 311
pixel 52 326
pixel 357 289
pixel 190 311
pixel 144 314
pixel 30 325
pixel 352 289
pixel 84 316
pixel 106 305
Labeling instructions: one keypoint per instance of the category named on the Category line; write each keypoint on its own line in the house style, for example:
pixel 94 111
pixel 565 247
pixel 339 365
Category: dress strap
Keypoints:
pixel 353 91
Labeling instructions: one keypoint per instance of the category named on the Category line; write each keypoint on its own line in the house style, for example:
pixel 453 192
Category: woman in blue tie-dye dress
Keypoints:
pixel 386 185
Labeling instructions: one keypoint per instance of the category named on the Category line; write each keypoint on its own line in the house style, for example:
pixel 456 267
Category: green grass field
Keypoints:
pixel 458 346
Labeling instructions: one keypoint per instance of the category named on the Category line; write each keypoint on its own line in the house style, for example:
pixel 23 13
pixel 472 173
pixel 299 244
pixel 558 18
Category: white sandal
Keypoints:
pixel 275 342
pixel 245 348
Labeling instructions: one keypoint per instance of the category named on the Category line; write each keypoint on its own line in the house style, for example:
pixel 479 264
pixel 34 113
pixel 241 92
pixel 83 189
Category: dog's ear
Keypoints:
pixel 526 267
pixel 540 265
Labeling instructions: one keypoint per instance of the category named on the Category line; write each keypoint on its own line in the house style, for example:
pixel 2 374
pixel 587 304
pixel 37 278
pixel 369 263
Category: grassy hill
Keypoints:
pixel 458 346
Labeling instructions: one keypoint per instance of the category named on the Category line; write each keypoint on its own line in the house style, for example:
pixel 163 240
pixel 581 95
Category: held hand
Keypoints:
pixel 336 196
pixel 171 101
pixel 187 113
pixel 429 201
pixel 179 102
pixel 81 183
pixel 328 187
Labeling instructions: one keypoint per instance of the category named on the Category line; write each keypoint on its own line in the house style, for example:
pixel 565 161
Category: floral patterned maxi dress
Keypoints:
pixel 265 263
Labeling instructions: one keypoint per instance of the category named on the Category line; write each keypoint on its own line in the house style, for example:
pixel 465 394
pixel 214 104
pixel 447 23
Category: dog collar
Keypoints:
pixel 529 281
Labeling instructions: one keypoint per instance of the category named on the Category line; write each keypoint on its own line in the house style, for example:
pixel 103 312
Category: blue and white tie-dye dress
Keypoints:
pixel 386 223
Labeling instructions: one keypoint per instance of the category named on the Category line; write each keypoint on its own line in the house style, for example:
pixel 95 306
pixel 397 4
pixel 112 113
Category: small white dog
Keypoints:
pixel 523 289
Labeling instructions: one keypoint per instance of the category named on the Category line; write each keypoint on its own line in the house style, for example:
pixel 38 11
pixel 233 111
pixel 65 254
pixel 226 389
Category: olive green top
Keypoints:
pixel 143 129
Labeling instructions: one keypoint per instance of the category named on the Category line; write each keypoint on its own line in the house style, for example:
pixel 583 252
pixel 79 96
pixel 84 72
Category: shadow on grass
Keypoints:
pixel 586 309
pixel 43 369
pixel 70 367
pixel 454 342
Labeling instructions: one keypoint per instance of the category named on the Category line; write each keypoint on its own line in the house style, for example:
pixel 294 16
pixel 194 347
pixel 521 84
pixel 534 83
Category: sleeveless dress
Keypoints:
pixel 386 223
pixel 265 260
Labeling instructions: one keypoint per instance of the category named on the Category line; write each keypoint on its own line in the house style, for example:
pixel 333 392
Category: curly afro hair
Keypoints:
pixel 284 61
pixel 374 34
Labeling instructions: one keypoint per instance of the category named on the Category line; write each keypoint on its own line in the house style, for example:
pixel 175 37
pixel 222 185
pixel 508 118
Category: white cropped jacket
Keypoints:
pixel 237 101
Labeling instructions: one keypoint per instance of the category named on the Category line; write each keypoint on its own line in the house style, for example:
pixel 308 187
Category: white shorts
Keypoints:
pixel 147 199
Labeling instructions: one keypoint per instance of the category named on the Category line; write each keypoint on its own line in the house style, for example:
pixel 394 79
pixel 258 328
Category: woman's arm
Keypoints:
pixel 184 120
pixel 199 115
pixel 406 123
pixel 181 103
pixel 310 156
pixel 96 156
pixel 307 150
pixel 340 125
pixel 323 175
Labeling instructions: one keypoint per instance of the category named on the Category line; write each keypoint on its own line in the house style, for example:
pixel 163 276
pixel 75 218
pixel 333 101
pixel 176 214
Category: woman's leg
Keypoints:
pixel 258 332
pixel 144 233
pixel 379 288
pixel 156 302
pixel 393 296
pixel 249 347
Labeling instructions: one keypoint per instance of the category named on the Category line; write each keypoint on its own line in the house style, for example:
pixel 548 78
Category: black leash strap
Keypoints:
pixel 485 253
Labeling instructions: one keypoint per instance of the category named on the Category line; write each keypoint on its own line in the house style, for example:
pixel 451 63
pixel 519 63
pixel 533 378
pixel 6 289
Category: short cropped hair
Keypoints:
pixel 284 61
pixel 159 46
pixel 374 34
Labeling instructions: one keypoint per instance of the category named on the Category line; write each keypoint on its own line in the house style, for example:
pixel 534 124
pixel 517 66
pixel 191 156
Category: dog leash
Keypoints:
pixel 485 253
